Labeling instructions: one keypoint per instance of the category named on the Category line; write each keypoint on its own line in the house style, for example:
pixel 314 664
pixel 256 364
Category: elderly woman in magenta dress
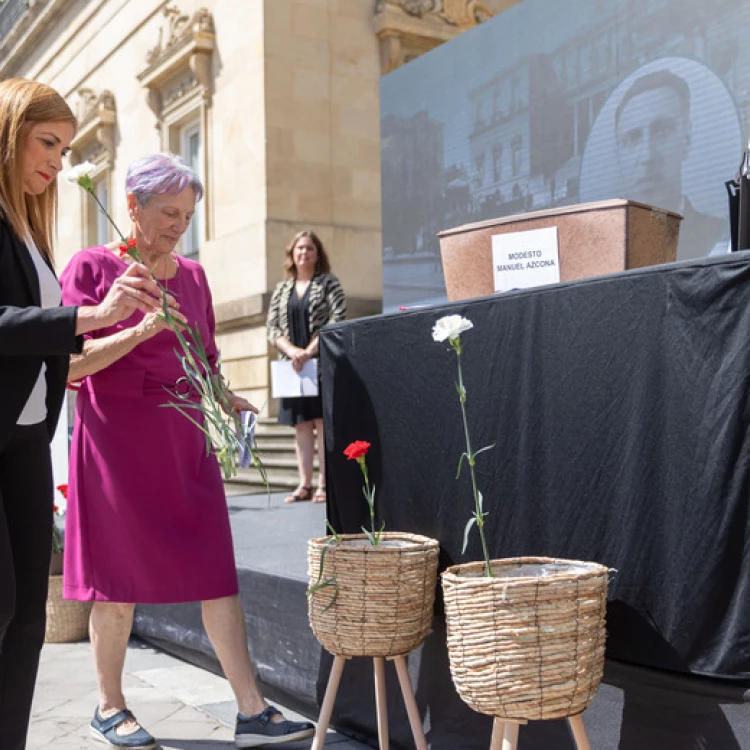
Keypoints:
pixel 147 519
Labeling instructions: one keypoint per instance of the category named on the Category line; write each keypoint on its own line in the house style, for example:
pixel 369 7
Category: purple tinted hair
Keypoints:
pixel 159 174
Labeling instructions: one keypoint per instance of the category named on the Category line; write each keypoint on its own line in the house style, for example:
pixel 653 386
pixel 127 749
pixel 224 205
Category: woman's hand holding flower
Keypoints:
pixel 133 290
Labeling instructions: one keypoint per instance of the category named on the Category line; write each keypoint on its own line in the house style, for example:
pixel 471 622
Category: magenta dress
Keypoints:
pixel 147 518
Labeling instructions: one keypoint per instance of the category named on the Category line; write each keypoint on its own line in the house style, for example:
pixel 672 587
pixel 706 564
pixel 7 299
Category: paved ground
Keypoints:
pixel 184 707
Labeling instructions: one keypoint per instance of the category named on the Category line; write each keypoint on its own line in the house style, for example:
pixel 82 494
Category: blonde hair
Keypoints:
pixel 22 102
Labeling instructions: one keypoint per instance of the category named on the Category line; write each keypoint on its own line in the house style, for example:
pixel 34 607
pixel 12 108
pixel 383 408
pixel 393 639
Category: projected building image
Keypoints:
pixel 540 108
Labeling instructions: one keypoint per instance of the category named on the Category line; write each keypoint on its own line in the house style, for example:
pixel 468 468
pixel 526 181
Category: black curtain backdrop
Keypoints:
pixel 618 410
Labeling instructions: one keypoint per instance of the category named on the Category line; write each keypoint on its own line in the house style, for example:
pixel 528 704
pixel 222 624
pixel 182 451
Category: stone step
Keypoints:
pixel 274 430
pixel 277 452
pixel 280 461
pixel 271 444
pixel 279 479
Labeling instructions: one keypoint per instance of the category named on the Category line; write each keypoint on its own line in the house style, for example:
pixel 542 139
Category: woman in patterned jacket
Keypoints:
pixel 310 297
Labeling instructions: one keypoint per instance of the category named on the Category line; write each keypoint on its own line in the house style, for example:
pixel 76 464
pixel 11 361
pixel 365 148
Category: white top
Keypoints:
pixel 35 410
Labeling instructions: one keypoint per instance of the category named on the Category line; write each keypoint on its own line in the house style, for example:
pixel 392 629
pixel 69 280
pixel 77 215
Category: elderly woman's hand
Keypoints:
pixel 154 322
pixel 133 290
pixel 239 404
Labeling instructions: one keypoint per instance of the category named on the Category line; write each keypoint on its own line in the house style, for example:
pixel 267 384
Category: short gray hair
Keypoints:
pixel 159 174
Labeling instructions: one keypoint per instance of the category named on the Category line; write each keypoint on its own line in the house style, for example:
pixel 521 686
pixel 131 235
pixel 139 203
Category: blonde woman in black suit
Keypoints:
pixel 37 336
pixel 310 297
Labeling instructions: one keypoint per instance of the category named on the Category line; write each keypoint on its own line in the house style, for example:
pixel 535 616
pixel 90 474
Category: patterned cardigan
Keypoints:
pixel 326 304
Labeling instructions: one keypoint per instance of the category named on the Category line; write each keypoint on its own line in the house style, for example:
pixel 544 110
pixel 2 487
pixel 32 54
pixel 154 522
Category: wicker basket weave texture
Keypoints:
pixel 385 596
pixel 67 620
pixel 528 647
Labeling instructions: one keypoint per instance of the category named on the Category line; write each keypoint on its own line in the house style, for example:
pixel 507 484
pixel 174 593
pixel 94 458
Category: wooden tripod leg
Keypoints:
pixel 415 720
pixel 328 700
pixel 579 732
pixel 381 704
pixel 510 736
pixel 498 728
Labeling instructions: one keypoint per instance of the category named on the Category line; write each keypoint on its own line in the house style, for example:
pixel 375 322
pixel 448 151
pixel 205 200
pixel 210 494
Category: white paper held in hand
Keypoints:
pixel 286 383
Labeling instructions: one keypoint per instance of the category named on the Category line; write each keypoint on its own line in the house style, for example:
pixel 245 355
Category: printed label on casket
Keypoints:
pixel 524 259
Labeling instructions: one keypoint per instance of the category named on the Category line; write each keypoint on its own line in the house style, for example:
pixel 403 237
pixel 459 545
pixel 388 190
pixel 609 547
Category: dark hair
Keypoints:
pixel 323 265
pixel 657 80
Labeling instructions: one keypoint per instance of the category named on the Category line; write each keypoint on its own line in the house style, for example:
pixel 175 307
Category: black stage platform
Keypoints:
pixel 635 708
pixel 620 415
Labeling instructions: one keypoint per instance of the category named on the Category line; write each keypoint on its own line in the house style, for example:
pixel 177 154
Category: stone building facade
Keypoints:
pixel 274 102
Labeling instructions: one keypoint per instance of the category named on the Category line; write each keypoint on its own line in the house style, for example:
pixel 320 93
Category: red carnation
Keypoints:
pixel 63 490
pixel 123 250
pixel 356 450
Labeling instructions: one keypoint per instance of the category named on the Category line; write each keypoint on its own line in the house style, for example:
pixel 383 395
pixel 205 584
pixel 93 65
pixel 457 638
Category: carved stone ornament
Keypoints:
pixel 417 7
pixel 409 28
pixel 464 12
pixel 95 139
pixel 181 61
pixel 176 31
pixel 455 12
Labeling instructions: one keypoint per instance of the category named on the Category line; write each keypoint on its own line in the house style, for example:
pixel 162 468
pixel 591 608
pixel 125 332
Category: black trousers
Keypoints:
pixel 25 549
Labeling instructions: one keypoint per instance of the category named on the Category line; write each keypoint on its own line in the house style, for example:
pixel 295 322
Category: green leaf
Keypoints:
pixel 333 531
pixel 325 584
pixel 319 584
pixel 460 463
pixel 467 529
pixel 380 533
pixel 482 450
pixel 180 409
pixel 369 498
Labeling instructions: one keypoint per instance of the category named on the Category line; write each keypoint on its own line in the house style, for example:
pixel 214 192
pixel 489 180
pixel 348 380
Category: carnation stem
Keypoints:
pixel 470 458
pixel 368 493
pixel 93 194
pixel 372 510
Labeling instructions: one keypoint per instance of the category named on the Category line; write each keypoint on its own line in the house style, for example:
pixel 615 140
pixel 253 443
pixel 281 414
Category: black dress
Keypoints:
pixel 294 411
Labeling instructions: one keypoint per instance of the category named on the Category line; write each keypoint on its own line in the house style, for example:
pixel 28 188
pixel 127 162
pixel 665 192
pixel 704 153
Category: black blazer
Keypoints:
pixel 29 335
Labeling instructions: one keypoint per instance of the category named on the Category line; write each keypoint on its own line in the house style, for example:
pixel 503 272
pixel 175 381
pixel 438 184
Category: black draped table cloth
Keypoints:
pixel 618 409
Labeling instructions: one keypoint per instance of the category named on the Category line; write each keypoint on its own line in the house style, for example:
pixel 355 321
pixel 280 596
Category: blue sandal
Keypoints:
pixel 105 730
pixel 259 730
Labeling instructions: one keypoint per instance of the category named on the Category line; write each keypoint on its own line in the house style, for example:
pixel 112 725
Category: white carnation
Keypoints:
pixel 84 169
pixel 450 327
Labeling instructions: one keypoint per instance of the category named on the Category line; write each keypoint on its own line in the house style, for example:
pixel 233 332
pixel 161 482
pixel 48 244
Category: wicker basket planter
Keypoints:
pixel 67 620
pixel 56 564
pixel 528 643
pixel 385 593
